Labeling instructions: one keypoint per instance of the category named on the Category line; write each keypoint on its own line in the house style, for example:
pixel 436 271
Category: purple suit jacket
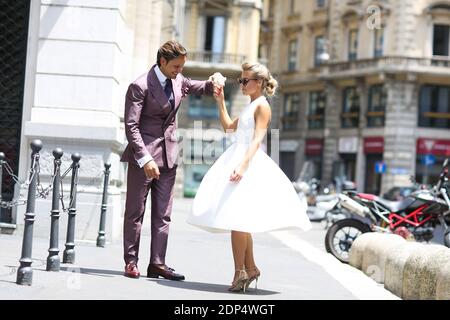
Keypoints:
pixel 148 112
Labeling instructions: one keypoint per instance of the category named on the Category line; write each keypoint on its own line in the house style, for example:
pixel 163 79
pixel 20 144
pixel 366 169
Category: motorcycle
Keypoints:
pixel 415 217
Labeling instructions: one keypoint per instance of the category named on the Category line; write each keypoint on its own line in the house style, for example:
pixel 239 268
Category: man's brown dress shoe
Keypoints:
pixel 132 271
pixel 155 271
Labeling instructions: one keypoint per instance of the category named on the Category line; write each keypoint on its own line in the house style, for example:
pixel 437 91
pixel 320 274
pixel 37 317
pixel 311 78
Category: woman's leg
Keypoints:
pixel 249 259
pixel 250 265
pixel 239 246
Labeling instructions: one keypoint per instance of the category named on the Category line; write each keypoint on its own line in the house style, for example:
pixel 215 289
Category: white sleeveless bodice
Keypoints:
pixel 246 125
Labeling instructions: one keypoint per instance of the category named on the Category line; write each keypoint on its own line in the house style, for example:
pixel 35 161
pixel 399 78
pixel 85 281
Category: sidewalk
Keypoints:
pixel 204 258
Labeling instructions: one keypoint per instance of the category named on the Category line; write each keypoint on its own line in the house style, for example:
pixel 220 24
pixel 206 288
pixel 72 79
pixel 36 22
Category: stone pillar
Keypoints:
pixel 82 66
pixel 155 18
pixel 399 140
pixel 404 33
pixel 191 26
pixel 146 37
pixel 302 129
pixel 275 61
pixel 249 21
pixel 360 174
pixel 332 123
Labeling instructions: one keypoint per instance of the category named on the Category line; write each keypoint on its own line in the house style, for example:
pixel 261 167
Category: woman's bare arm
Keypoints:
pixel 262 119
pixel 227 123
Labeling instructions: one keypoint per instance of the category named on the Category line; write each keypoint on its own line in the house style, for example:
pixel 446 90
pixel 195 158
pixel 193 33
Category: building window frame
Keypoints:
pixel 378 42
pixel 320 4
pixel 434 107
pixel 376 108
pixel 291 110
pixel 292 7
pixel 292 55
pixel 319 48
pixel 316 110
pixel 353 44
pixel 214 47
pixel 445 50
pixel 351 106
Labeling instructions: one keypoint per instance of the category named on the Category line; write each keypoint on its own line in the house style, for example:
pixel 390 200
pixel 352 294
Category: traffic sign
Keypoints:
pixel 429 160
pixel 380 167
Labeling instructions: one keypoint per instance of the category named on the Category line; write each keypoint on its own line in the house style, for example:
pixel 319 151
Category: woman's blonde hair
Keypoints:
pixel 261 72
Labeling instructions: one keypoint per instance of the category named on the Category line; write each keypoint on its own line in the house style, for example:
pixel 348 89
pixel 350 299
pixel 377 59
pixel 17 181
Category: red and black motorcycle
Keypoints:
pixel 414 217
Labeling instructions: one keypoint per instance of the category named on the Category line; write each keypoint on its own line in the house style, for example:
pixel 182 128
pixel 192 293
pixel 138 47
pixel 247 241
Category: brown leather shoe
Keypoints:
pixel 131 271
pixel 155 271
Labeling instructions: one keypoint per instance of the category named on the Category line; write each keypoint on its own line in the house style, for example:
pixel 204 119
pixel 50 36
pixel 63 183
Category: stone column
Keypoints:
pixel 82 64
pixel 360 174
pixel 146 35
pixel 332 123
pixel 155 19
pixel 399 140
pixel 303 129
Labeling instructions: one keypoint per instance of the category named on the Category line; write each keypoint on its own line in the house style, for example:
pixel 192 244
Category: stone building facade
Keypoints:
pixel 364 88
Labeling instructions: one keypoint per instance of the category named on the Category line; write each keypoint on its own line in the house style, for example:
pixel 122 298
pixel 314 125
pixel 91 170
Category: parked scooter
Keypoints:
pixel 327 207
pixel 305 185
pixel 415 217
pixel 320 200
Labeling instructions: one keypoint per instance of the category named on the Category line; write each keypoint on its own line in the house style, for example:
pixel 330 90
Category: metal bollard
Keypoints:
pixel 69 252
pixel 25 273
pixel 101 231
pixel 53 261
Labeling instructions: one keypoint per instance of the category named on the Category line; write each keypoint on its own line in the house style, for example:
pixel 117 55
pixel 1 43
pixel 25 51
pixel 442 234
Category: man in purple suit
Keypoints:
pixel 151 104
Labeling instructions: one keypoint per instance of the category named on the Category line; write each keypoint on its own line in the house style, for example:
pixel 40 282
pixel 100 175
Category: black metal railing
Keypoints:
pixel 36 190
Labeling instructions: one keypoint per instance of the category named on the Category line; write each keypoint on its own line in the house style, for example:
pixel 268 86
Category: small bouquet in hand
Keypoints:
pixel 218 79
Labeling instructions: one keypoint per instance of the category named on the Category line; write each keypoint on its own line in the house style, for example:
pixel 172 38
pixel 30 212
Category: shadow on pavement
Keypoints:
pixel 8 281
pixel 210 287
pixel 97 272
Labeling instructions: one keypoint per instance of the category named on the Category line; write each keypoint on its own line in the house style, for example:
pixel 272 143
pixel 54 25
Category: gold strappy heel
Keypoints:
pixel 240 284
pixel 253 278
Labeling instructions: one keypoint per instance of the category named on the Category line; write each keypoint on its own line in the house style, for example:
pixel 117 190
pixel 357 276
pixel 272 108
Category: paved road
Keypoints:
pixel 294 266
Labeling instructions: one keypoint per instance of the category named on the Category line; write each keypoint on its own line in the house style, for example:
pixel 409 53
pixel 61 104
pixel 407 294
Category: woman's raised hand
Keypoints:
pixel 218 93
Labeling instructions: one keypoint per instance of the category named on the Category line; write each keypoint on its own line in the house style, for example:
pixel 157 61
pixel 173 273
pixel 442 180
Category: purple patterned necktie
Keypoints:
pixel 168 91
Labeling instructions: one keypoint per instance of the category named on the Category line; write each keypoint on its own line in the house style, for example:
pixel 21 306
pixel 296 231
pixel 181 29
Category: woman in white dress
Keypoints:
pixel 245 191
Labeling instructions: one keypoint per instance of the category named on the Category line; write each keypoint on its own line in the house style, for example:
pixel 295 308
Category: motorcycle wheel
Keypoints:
pixel 447 238
pixel 341 235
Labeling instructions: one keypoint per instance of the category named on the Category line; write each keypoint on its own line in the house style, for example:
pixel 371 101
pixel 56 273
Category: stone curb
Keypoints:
pixel 410 270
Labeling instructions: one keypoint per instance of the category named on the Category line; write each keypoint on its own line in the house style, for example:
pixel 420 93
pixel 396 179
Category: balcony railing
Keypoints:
pixel 214 57
pixel 386 64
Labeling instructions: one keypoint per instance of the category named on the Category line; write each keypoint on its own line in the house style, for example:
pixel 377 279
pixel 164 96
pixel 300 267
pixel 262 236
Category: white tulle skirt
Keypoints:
pixel 264 199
